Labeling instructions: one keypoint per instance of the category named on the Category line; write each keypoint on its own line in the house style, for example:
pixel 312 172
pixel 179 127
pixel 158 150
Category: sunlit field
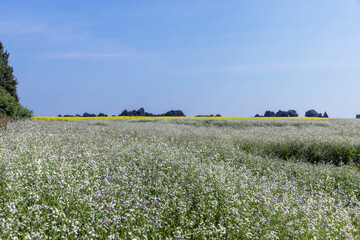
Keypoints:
pixel 180 178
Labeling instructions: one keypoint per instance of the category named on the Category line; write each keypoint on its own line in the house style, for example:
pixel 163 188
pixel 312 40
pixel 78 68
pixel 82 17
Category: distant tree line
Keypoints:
pixel 141 112
pixel 292 113
pixel 211 115
pixel 280 113
pixel 313 113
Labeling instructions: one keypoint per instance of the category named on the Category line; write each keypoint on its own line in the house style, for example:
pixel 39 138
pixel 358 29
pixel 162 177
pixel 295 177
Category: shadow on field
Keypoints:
pixel 247 123
pixel 312 152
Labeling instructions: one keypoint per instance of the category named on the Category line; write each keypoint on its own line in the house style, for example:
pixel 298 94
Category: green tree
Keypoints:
pixel 10 107
pixel 269 114
pixel 175 113
pixel 7 79
pixel 9 100
pixel 281 113
pixel 292 113
pixel 311 113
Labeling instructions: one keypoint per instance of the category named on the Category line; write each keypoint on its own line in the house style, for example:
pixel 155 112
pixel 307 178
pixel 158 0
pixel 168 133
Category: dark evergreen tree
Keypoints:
pixel 102 115
pixel 358 116
pixel 7 79
pixel 325 115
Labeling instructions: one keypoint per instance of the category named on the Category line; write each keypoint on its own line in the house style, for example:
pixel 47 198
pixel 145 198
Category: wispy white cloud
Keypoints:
pixel 85 55
pixel 266 68
pixel 292 66
pixel 11 27
pixel 72 41
pixel 41 31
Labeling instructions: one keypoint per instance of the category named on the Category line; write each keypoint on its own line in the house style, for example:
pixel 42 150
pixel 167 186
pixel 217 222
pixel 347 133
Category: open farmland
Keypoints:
pixel 180 179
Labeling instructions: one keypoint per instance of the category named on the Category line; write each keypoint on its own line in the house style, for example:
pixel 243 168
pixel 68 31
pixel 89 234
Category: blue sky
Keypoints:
pixel 233 57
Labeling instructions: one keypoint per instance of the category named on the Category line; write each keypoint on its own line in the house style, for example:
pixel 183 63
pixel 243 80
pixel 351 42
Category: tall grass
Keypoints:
pixel 164 179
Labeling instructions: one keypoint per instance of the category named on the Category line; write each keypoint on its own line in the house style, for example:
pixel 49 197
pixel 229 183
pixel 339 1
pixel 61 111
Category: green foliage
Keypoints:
pixel 7 79
pixel 10 107
pixel 9 100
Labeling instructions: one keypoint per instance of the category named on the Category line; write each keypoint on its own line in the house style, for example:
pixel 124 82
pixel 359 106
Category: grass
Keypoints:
pixel 180 179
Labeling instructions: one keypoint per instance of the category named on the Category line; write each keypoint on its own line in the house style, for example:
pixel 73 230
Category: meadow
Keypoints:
pixel 180 179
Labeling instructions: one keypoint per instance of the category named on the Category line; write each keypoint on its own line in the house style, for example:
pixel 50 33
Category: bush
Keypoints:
pixel 11 108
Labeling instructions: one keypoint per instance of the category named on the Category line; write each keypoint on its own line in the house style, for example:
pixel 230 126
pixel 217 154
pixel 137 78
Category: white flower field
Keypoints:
pixel 180 179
